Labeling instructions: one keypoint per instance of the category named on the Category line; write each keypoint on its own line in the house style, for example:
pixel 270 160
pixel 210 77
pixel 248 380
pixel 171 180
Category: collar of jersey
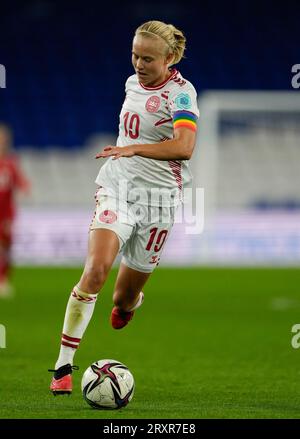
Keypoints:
pixel 157 87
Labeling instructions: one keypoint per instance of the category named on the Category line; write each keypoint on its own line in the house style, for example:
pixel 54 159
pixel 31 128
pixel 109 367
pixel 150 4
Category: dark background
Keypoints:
pixel 67 61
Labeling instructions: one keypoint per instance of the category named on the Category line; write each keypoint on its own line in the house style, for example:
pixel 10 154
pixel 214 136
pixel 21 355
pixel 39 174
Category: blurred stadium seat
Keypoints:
pixel 62 177
pixel 248 162
pixel 248 154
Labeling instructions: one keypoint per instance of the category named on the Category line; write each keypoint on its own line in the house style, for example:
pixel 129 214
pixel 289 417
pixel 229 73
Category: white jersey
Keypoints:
pixel 147 117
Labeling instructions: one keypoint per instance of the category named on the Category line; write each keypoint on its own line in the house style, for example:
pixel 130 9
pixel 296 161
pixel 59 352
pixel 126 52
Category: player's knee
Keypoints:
pixel 94 277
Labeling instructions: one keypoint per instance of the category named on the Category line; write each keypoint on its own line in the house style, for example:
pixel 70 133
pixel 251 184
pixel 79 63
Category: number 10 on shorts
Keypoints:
pixel 159 239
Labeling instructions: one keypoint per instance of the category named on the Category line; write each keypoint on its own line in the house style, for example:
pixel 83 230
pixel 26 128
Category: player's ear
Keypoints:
pixel 169 58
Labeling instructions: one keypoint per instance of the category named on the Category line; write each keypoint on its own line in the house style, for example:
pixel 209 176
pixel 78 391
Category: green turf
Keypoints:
pixel 207 343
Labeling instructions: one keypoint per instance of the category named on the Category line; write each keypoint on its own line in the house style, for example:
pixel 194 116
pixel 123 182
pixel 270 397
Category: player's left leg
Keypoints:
pixel 5 258
pixel 127 295
pixel 141 255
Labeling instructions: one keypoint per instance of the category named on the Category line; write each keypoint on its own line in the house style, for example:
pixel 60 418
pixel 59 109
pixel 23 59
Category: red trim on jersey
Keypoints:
pixel 157 87
pixel 176 170
pixel 162 121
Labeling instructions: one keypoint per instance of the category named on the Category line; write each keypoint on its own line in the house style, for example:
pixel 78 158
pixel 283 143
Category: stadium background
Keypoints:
pixel 66 65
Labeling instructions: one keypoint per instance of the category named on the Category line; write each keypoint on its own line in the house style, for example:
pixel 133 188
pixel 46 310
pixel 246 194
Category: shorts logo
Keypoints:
pixel 153 104
pixel 108 217
pixel 183 101
pixel 154 260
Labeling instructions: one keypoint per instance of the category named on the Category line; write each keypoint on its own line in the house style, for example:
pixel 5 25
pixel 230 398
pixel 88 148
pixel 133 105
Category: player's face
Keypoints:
pixel 150 61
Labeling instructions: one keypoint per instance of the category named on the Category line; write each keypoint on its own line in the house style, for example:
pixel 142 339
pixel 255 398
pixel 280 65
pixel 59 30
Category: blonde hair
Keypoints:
pixel 172 36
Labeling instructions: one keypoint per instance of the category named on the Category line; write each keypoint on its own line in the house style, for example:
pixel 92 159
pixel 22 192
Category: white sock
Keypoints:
pixel 78 314
pixel 138 303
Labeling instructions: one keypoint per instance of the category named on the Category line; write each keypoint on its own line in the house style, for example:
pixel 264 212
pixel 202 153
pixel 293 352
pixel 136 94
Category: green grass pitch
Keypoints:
pixel 207 343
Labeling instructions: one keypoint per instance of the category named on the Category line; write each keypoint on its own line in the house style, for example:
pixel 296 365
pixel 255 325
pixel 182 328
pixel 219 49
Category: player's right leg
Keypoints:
pixel 102 250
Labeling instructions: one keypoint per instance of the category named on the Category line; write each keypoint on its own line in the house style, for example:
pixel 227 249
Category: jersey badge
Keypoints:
pixel 183 101
pixel 153 104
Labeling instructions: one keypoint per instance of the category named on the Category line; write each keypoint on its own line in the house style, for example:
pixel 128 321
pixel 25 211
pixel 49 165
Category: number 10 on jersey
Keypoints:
pixel 132 125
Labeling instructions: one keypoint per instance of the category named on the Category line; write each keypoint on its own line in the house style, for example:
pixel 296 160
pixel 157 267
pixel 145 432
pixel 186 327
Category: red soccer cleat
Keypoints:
pixel 61 386
pixel 61 383
pixel 119 318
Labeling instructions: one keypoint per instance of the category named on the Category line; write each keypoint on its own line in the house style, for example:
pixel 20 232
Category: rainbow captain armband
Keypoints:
pixel 185 119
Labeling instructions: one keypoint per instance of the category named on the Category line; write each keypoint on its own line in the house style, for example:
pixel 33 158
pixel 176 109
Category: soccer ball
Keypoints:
pixel 107 384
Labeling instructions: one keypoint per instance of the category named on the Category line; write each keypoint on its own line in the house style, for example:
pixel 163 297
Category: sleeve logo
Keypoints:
pixel 183 101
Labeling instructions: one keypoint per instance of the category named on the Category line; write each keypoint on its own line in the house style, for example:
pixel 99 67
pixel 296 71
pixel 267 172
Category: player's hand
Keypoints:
pixel 116 152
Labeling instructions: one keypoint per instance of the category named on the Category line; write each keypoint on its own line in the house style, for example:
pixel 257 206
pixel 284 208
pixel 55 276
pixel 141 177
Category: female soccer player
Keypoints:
pixel 140 186
pixel 12 180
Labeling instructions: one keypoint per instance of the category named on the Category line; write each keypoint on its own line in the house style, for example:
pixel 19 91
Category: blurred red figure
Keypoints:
pixel 12 179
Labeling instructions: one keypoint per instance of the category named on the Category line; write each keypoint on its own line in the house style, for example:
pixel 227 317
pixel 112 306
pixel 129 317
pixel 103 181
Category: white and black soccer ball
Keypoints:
pixel 107 384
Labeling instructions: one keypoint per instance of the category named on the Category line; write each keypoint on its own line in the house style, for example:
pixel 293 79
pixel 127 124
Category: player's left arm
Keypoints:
pixel 179 148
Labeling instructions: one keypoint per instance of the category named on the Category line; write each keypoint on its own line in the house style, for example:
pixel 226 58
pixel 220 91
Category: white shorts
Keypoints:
pixel 142 230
